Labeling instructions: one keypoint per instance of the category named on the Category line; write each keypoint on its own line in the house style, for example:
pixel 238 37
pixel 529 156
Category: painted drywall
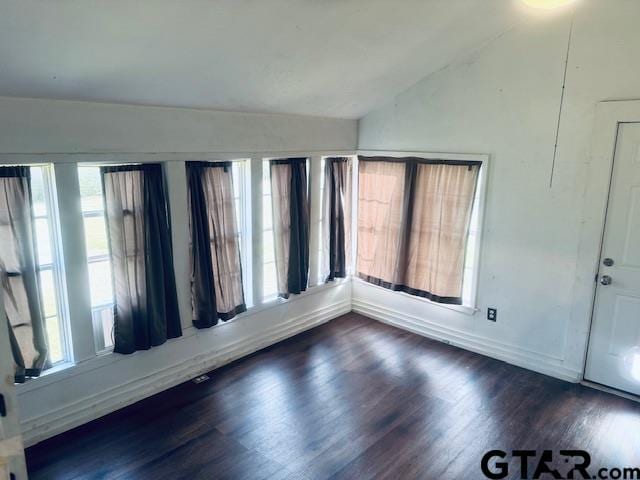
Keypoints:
pixel 64 133
pixel 52 126
pixel 108 383
pixel 504 100
pixel 336 59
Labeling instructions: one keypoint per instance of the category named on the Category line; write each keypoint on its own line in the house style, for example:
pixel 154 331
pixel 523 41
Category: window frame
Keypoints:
pixel 266 176
pixel 470 303
pixel 98 331
pixel 319 222
pixel 245 226
pixel 56 266
pixel 267 231
pixel 323 249
pixel 82 354
pixel 245 223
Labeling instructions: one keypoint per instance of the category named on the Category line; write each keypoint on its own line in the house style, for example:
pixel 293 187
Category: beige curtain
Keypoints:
pixel 19 281
pixel 146 303
pixel 413 224
pixel 290 204
pixel 225 241
pixel 124 207
pixel 280 204
pixel 216 270
pixel 439 228
pixel 380 203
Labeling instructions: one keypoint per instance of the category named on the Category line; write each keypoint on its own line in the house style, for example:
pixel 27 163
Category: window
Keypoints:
pixel 324 224
pixel 270 283
pixel 49 262
pixel 418 226
pixel 98 258
pixel 270 274
pixel 242 199
pixel 471 253
pixel 320 227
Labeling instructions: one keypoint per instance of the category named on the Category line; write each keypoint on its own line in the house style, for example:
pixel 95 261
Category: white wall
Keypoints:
pixel 50 126
pixel 65 133
pixel 96 387
pixel 540 247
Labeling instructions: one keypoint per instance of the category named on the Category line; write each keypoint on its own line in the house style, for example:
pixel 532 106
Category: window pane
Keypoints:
pixel 470 254
pixel 100 283
pixel 48 293
pixel 95 232
pixel 236 173
pixel 269 254
pixel 38 195
pixel 269 278
pixel 43 241
pixel 321 273
pixel 45 254
pixel 270 288
pixel 238 208
pixel 267 214
pixel 54 339
pixel 90 188
pixel 97 244
pixel 322 164
pixel 103 323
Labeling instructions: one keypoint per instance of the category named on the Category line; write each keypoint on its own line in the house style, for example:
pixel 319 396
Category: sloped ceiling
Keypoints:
pixel 337 58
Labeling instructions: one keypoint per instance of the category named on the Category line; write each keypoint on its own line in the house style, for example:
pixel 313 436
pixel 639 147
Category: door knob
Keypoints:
pixel 605 280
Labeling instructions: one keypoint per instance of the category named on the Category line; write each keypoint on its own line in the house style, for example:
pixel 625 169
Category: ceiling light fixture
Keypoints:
pixel 546 4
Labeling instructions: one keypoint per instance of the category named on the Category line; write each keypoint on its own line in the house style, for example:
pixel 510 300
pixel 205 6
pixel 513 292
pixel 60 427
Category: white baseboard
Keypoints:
pixel 508 353
pixel 89 408
pixel 84 410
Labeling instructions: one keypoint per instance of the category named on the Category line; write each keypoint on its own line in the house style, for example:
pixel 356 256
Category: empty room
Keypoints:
pixel 308 240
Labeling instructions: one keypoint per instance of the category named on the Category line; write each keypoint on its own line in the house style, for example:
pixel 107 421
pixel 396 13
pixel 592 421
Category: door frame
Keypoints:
pixel 608 117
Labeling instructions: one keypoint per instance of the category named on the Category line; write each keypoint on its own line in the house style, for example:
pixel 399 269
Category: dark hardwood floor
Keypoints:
pixel 352 399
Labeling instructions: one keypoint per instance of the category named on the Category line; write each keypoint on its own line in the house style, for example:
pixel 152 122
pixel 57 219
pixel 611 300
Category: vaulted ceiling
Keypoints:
pixel 338 58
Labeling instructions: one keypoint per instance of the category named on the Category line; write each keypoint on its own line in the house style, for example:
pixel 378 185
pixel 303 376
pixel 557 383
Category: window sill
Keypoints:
pixel 464 309
pixel 68 370
pixel 273 302
pixel 60 367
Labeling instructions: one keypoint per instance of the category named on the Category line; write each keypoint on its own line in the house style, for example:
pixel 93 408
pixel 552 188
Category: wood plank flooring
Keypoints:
pixel 352 399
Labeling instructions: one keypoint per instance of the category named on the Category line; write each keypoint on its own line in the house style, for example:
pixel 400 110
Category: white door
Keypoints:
pixel 614 344
pixel 11 453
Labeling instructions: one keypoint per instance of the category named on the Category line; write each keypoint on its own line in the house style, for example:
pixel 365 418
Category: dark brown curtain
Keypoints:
pixel 146 304
pixel 290 204
pixel 336 236
pixel 216 270
pixel 19 274
pixel 413 224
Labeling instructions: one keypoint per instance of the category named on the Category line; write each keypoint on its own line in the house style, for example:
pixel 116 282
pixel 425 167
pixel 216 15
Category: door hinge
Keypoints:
pixel 3 407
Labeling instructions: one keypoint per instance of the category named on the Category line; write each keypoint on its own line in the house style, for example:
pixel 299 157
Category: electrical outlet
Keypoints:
pixel 492 314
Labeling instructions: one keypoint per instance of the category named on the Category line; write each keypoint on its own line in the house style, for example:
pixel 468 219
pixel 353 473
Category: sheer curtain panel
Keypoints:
pixel 216 269
pixel 146 304
pixel 413 224
pixel 19 275
pixel 290 204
